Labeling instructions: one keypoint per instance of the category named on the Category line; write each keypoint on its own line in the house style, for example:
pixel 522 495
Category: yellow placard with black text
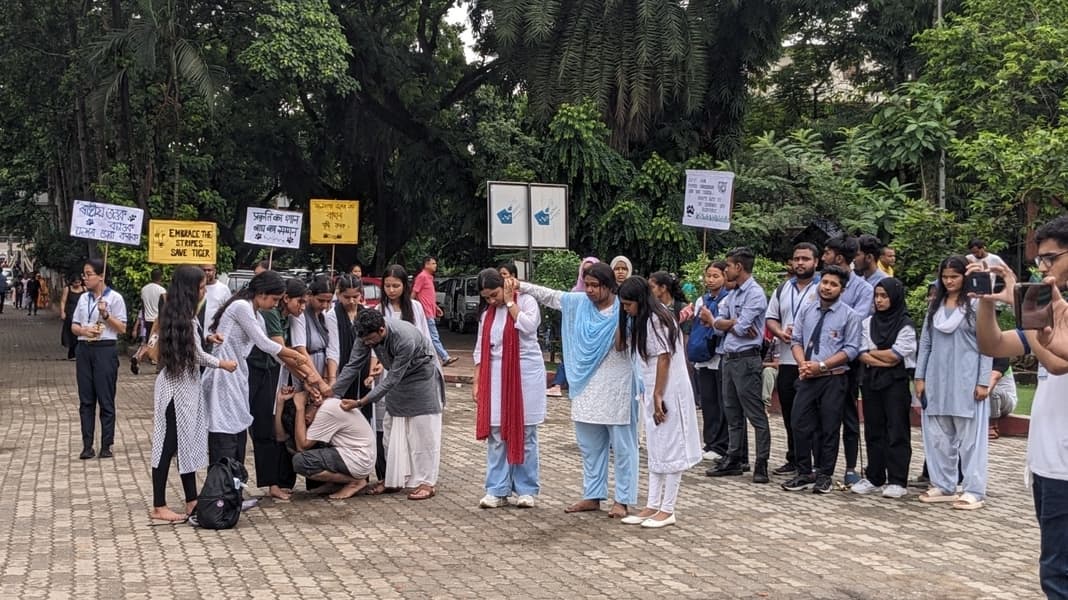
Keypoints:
pixel 335 221
pixel 181 242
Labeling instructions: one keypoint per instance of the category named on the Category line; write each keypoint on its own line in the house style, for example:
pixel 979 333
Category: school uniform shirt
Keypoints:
pixel 859 295
pixel 746 305
pixel 784 305
pixel 86 314
pixel 840 332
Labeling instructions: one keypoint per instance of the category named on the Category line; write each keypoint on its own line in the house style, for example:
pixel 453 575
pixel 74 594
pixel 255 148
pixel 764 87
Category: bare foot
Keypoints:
pixel 190 507
pixel 279 493
pixel 618 511
pixel 584 506
pixel 163 513
pixel 349 490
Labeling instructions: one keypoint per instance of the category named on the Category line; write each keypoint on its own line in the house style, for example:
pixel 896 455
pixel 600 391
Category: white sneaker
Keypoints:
pixel 525 501
pixel 712 455
pixel 865 487
pixel 491 501
pixel 894 491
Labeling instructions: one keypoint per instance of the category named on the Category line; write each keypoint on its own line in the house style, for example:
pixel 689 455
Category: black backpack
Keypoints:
pixel 219 503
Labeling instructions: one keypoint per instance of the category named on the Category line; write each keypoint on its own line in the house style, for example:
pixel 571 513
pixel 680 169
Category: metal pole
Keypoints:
pixel 530 237
pixel 942 152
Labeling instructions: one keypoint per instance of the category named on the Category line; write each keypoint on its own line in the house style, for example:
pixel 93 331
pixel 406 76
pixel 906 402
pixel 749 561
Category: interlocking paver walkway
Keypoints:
pixel 79 529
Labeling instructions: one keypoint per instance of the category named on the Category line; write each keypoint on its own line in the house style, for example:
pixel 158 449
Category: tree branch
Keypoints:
pixel 470 82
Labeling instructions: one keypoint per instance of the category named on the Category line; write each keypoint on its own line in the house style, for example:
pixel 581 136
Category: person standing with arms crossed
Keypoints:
pixel 99 319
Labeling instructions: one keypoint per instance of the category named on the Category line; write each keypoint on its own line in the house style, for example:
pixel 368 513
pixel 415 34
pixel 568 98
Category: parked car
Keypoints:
pixel 238 280
pixel 372 291
pixel 461 303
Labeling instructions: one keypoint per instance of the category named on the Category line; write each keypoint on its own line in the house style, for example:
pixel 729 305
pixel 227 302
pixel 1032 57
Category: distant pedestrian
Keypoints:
pixel 152 294
pixel 3 291
pixel 67 305
pixel 33 288
pixel 99 319
pixel 423 291
pixel 18 286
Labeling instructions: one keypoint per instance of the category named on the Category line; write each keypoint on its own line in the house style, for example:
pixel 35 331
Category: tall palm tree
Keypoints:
pixel 155 35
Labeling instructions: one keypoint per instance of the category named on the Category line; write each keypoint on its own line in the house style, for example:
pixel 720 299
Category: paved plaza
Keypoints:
pixel 80 529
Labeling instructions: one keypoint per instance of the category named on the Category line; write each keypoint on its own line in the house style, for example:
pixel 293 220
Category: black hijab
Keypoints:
pixel 886 324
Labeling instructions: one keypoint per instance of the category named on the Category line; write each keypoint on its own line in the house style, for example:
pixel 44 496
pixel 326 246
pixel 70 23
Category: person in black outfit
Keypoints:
pixel 33 289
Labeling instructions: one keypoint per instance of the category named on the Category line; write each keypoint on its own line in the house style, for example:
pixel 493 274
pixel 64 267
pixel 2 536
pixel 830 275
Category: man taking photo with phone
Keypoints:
pixel 1047 455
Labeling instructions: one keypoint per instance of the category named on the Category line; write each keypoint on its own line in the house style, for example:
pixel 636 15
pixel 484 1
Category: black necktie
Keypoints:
pixel 814 343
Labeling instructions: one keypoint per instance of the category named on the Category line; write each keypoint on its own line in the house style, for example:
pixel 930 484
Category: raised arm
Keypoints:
pixel 543 295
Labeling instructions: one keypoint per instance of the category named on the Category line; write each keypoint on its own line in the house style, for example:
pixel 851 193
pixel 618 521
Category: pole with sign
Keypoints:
pixel 181 242
pixel 708 201
pixel 273 228
pixel 107 223
pixel 527 215
pixel 334 222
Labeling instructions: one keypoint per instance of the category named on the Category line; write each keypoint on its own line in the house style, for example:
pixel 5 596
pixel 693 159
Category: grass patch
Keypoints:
pixel 1025 395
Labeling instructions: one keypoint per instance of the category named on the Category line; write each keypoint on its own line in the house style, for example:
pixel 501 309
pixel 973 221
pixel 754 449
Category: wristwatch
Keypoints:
pixel 823 367
pixel 509 304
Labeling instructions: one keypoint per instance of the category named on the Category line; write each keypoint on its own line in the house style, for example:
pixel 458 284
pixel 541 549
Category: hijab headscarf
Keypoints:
pixel 625 261
pixel 885 324
pixel 580 283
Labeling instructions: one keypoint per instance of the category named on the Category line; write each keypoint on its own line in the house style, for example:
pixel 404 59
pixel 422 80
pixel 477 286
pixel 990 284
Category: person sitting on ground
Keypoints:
pixel 1002 394
pixel 350 456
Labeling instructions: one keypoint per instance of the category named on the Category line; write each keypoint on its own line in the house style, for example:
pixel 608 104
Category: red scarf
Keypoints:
pixel 511 389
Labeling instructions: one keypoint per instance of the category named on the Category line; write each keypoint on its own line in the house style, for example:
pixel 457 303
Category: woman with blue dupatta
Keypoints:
pixel 603 401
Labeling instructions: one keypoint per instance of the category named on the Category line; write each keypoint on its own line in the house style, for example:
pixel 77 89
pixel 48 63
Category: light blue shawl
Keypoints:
pixel 588 337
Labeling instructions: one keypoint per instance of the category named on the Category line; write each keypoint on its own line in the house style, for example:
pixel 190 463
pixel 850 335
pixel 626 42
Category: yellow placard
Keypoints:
pixel 181 242
pixel 335 221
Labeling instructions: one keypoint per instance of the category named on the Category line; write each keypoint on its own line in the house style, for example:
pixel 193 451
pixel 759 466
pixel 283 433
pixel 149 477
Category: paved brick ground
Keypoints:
pixel 79 529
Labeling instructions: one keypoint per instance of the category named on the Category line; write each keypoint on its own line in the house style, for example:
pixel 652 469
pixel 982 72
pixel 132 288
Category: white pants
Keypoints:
pixel 413 450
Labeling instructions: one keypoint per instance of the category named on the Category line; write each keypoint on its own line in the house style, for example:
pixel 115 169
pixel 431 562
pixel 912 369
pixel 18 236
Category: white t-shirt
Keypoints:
pixel 215 295
pixel 1047 440
pixel 349 433
pixel 990 260
pixel 150 295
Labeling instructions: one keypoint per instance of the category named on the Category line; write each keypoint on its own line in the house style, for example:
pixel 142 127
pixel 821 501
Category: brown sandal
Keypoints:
pixel 423 492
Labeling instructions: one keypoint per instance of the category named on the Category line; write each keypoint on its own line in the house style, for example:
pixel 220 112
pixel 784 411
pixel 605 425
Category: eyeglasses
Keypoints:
pixel 1049 258
pixel 88 274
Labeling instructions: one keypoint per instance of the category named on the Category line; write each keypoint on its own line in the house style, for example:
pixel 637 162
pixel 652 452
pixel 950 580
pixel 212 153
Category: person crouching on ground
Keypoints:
pixel 350 455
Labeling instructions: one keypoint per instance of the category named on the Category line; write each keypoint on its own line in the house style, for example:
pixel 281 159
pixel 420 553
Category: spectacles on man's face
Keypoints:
pixel 1048 258
pixel 88 274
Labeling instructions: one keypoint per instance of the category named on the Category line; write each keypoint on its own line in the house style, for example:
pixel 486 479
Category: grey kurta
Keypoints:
pixel 190 413
pixel 950 366
pixel 413 385
pixel 227 393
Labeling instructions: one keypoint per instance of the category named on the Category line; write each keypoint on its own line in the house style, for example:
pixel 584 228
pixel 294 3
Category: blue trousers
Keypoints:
pixel 594 442
pixel 435 337
pixel 1051 508
pixel 502 478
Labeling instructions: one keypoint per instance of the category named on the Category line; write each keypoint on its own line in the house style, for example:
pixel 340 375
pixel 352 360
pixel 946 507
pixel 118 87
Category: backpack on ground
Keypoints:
pixel 219 502
pixel 701 346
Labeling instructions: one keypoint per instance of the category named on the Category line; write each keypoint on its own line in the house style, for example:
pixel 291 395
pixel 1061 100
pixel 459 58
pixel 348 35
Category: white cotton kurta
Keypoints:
pixel 190 412
pixel 531 361
pixel 675 444
pixel 227 393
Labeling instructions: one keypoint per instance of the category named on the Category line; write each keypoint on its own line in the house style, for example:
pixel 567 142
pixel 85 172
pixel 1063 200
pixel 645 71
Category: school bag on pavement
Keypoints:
pixel 219 502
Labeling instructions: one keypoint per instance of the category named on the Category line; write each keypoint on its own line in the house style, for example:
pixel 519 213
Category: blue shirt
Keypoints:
pixel 859 295
pixel 841 331
pixel 875 278
pixel 746 305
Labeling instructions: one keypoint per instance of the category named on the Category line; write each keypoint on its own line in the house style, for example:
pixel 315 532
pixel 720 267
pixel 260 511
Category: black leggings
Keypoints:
pixel 159 474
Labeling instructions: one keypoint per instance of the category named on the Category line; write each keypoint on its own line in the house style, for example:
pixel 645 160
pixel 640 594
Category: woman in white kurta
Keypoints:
pixel 180 423
pixel 671 435
pixel 504 310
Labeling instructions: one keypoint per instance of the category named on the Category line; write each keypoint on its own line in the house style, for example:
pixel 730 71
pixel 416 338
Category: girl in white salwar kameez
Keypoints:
pixel 649 331
pixel 181 422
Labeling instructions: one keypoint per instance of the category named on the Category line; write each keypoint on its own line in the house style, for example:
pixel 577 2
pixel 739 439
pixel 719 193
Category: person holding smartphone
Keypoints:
pixel 1047 454
pixel 649 332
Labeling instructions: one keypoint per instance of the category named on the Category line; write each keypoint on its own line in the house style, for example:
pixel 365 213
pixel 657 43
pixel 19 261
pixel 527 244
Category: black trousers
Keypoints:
pixel 714 432
pixel 817 419
pixel 159 474
pixel 887 433
pixel 274 466
pixel 850 416
pixel 221 445
pixel 785 383
pixel 97 372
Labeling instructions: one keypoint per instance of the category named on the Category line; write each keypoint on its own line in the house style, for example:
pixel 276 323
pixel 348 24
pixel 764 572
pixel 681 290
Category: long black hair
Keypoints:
pixel 177 337
pixel 671 282
pixel 636 289
pixel 267 282
pixel 960 265
pixel 405 300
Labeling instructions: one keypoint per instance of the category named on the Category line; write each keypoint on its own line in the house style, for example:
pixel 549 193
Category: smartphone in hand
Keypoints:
pixel 1032 305
pixel 983 283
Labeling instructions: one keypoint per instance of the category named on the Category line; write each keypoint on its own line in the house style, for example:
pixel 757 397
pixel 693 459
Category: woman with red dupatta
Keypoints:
pixel 509 390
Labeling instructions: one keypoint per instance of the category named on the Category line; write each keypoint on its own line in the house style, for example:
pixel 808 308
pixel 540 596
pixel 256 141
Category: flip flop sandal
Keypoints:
pixel 968 501
pixel 937 495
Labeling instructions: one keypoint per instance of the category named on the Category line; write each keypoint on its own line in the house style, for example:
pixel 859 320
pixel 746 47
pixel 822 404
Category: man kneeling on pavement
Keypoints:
pixel 348 457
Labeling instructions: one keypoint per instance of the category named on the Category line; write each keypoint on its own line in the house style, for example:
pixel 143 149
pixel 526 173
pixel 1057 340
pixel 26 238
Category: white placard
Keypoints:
pixel 548 208
pixel 107 222
pixel 708 199
pixel 270 227
pixel 508 220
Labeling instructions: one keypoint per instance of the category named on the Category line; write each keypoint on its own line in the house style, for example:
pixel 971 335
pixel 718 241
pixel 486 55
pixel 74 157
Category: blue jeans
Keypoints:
pixel 1051 508
pixel 443 354
pixel 502 478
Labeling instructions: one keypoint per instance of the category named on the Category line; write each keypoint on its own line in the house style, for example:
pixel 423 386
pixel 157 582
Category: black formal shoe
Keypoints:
pixel 727 468
pixel 133 365
pixel 86 454
pixel 760 473
pixel 105 452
